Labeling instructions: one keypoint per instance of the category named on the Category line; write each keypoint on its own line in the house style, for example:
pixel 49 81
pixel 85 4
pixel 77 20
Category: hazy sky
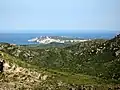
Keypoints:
pixel 59 15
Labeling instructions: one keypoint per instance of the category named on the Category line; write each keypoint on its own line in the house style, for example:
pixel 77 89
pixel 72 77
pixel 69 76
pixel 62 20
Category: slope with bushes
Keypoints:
pixel 23 76
pixel 99 58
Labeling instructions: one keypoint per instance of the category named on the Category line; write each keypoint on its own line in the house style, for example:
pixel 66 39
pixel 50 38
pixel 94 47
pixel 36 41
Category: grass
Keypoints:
pixel 76 78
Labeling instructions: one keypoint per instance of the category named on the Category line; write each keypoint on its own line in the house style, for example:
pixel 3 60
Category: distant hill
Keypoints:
pixel 56 39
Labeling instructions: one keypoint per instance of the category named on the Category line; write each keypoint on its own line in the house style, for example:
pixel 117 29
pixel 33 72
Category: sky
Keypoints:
pixel 59 15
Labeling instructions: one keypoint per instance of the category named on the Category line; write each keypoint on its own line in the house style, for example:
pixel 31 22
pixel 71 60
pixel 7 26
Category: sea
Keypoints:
pixel 22 38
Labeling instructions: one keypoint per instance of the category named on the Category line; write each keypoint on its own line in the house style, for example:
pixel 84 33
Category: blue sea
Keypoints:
pixel 22 38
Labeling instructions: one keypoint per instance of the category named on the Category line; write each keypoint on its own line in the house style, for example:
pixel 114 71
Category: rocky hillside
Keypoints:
pixel 23 76
pixel 97 58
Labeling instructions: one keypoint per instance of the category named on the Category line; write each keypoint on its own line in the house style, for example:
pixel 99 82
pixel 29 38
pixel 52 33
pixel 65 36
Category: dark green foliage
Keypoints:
pixel 99 58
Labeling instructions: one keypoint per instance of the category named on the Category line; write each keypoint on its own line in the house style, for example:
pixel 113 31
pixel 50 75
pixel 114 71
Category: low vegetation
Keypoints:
pixel 95 63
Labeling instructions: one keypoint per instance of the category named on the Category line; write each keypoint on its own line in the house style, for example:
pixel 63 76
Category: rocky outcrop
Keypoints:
pixel 15 77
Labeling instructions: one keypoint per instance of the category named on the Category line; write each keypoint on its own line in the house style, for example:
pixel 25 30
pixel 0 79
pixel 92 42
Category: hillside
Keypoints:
pixel 100 59
pixel 23 76
pixel 90 63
